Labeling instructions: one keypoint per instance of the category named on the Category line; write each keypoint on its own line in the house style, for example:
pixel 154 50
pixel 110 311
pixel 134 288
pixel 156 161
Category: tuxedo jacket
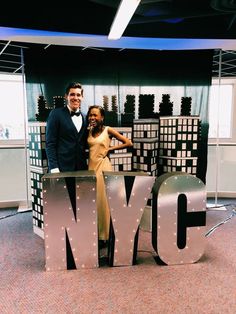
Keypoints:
pixel 65 146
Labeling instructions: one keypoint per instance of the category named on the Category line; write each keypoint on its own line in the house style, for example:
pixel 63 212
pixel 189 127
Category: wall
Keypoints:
pixel 14 178
pixel 13 172
pixel 221 170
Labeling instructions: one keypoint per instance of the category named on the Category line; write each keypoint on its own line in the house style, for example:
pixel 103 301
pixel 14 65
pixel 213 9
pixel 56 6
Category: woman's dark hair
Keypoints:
pixel 101 109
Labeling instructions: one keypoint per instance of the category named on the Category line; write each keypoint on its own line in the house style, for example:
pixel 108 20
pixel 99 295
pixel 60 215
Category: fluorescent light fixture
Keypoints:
pixel 124 14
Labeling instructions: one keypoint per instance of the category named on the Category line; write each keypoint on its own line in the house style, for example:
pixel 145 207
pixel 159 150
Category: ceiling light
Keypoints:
pixel 124 14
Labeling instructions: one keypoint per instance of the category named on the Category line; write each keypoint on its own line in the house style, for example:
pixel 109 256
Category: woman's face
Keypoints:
pixel 95 118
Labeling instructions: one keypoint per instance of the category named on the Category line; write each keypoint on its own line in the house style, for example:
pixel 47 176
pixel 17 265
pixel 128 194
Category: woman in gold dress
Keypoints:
pixel 99 141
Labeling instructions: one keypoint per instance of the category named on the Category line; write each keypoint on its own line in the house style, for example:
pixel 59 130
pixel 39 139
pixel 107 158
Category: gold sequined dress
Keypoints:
pixel 98 161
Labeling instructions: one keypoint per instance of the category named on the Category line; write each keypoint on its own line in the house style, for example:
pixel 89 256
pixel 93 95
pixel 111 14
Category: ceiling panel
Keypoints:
pixel 154 19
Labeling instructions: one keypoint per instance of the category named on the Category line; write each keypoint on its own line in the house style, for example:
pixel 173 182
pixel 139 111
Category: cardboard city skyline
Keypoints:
pixel 162 142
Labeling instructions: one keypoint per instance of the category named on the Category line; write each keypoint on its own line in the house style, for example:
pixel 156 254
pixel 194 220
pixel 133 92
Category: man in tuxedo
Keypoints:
pixel 66 137
pixel 66 140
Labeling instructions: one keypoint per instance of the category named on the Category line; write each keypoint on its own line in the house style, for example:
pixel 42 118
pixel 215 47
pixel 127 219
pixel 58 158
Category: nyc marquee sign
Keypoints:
pixel 70 218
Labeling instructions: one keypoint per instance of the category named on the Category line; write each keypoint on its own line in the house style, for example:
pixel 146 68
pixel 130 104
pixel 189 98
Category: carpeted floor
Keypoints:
pixel 208 286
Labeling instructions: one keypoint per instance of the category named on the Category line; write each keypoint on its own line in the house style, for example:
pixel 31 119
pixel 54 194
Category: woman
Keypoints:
pixel 99 140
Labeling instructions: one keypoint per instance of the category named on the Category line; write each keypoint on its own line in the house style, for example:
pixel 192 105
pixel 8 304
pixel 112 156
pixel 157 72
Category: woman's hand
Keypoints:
pixel 107 153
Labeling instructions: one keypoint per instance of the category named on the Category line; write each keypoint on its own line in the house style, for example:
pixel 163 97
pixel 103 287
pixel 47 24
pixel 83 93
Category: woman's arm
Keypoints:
pixel 126 142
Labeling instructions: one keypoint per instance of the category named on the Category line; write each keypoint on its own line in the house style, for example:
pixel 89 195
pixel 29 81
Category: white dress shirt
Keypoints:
pixel 77 120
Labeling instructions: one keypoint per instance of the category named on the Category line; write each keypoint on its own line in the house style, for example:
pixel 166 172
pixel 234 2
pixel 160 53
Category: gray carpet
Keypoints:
pixel 208 286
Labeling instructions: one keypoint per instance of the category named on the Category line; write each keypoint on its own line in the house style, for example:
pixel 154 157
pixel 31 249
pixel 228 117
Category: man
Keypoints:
pixel 66 133
pixel 66 140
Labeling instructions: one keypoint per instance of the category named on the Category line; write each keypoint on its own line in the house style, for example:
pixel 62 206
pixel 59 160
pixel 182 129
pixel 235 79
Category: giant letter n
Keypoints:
pixel 70 223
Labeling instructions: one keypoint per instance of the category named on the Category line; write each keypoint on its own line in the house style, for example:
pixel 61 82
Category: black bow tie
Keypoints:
pixel 75 113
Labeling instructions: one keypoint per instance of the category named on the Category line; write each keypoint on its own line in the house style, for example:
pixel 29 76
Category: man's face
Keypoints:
pixel 74 98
